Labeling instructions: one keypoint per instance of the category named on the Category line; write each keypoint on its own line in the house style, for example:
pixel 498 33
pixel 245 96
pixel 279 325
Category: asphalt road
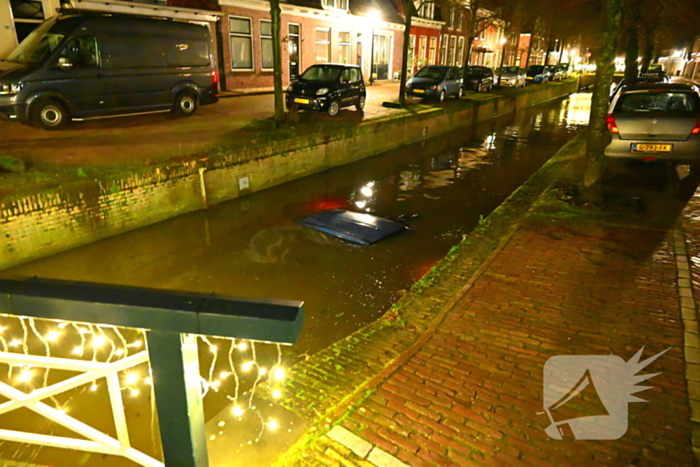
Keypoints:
pixel 155 136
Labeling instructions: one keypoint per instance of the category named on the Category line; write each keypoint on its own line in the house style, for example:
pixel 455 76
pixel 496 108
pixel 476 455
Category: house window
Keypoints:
pixel 411 49
pixel 460 51
pixel 443 50
pixel 422 46
pixel 482 36
pixel 451 20
pixel 425 9
pixel 241 37
pixel 344 47
pixel 339 4
pixel 432 50
pixel 323 45
pixel 266 45
pixel 451 51
pixel 459 19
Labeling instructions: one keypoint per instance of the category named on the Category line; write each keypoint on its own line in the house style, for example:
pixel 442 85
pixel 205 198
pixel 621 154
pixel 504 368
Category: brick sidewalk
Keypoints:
pixel 472 393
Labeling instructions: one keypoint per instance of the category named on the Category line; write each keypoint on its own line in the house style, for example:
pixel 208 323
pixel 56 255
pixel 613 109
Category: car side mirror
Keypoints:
pixel 65 63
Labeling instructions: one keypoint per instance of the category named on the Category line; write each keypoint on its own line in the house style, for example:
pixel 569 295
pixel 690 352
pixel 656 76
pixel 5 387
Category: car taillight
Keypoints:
pixel 696 130
pixel 214 78
pixel 612 126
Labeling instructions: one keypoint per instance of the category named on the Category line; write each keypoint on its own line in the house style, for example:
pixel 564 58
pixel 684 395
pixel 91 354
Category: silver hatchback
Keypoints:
pixel 655 122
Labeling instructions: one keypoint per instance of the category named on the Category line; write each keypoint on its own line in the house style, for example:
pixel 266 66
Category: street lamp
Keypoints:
pixel 374 17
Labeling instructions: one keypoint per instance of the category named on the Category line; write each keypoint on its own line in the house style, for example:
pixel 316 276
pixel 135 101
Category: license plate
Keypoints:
pixel 529 78
pixel 419 91
pixel 301 101
pixel 646 147
pixel 504 81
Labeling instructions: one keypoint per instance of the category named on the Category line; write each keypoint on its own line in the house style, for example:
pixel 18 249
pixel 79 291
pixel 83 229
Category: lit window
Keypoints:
pixel 268 62
pixel 344 47
pixel 323 45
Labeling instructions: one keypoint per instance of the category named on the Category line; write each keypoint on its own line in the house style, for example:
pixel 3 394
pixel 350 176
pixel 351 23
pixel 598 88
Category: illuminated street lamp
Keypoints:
pixel 374 17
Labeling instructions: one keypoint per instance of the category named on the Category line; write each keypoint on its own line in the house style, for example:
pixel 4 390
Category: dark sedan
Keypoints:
pixel 435 82
pixel 478 78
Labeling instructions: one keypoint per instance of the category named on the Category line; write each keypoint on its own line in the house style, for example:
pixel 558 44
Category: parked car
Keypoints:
pixel 479 78
pixel 616 88
pixel 655 122
pixel 565 69
pixel 511 76
pixel 81 67
pixel 328 87
pixel 436 82
pixel 654 73
pixel 555 73
pixel 538 74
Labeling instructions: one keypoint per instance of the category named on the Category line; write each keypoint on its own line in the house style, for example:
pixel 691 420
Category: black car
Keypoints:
pixel 328 87
pixel 478 78
pixel 538 74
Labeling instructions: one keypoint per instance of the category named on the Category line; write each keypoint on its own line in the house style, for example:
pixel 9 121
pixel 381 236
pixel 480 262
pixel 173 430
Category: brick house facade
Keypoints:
pixel 311 33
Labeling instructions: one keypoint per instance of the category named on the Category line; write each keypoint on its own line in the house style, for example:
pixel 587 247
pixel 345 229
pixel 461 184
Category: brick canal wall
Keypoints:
pixel 52 221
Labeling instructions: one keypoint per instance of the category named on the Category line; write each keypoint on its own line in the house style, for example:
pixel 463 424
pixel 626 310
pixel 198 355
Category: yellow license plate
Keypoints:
pixel 645 147
pixel 504 80
pixel 419 91
pixel 529 77
pixel 301 101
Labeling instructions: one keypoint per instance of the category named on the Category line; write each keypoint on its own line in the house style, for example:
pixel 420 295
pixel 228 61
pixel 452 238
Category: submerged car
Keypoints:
pixel 435 82
pixel 328 87
pixel 655 122
pixel 538 74
pixel 478 78
pixel 511 76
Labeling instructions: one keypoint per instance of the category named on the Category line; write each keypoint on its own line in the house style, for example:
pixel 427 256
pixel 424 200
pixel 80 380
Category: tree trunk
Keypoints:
pixel 631 55
pixel 648 47
pixel 549 46
pixel 275 15
pixel 561 50
pixel 598 136
pixel 404 53
pixel 467 58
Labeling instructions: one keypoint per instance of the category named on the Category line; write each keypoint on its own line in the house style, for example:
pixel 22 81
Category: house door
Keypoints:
pixel 293 48
pixel 382 53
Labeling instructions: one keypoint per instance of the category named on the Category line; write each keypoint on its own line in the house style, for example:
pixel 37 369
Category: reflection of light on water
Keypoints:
pixel 537 124
pixel 363 198
pixel 578 109
pixel 409 180
pixel 490 142
pixel 468 158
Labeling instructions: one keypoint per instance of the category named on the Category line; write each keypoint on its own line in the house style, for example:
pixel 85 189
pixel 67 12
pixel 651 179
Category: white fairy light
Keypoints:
pixel 134 392
pixel 216 384
pixel 25 375
pixel 52 336
pixel 273 425
pixel 136 344
pixel 237 410
pixel 247 365
pixel 98 341
pixel 279 373
pixel 213 348
pixel 148 381
pixel 262 371
pixel 78 350
pixel 119 352
pixel 224 374
pixel 62 325
pixel 15 343
pixel 276 394
pixel 132 378
pixel 93 388
pixel 242 346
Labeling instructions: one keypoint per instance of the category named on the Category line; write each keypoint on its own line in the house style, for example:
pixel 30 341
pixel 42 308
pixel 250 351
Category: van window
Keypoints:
pixel 131 52
pixel 37 45
pixel 81 51
pixel 185 52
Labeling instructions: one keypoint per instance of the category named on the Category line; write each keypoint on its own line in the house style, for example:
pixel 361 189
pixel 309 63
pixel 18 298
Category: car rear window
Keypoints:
pixel 658 101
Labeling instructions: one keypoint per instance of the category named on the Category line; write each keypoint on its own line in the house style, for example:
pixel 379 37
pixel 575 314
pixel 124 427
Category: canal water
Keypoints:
pixel 255 247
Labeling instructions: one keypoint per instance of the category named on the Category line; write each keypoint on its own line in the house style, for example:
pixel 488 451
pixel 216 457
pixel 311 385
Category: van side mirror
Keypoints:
pixel 65 63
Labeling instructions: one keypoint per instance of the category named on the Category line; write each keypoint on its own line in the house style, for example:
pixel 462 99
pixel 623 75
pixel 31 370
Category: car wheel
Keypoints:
pixel 333 108
pixel 360 104
pixel 478 87
pixel 185 104
pixel 441 97
pixel 460 93
pixel 49 114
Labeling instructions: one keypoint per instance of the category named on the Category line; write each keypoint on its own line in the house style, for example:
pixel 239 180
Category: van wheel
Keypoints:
pixel 185 104
pixel 333 108
pixel 49 114
pixel 360 103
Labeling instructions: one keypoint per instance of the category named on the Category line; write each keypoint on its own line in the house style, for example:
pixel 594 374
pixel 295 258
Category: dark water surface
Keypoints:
pixel 254 246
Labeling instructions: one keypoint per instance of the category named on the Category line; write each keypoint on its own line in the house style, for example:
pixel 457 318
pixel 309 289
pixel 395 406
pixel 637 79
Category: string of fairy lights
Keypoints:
pixel 229 367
